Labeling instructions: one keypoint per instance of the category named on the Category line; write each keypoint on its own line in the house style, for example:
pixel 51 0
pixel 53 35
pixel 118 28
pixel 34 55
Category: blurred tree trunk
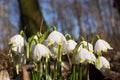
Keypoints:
pixel 116 4
pixel 31 17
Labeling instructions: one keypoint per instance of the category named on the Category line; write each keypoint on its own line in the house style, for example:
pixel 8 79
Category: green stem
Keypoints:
pixel 59 53
pixel 38 70
pixel 59 70
pixel 76 76
pixel 99 54
pixel 36 41
pixel 22 33
pixel 82 38
pixel 59 76
pixel 28 51
pixel 45 34
pixel 74 71
pixel 29 46
pixel 54 28
pixel 68 35
pixel 34 73
pixel 70 78
pixel 80 73
pixel 87 72
pixel 55 70
pixel 98 37
pixel 94 38
pixel 39 35
pixel 34 76
pixel 47 70
pixel 75 51
pixel 98 62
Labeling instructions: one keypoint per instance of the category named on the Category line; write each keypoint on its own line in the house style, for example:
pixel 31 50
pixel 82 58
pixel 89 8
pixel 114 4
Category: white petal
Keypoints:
pixel 82 56
pixel 57 37
pixel 18 43
pixel 101 45
pixel 70 46
pixel 39 51
pixel 106 44
pixel 102 62
pixel 93 58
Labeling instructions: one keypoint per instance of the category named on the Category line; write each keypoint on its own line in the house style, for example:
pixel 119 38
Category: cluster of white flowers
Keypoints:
pixel 49 47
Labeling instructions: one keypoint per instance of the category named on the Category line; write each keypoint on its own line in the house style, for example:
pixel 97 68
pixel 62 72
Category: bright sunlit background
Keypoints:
pixel 76 17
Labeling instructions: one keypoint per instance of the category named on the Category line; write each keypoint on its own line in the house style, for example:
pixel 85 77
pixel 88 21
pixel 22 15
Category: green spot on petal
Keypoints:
pixel 105 50
pixel 91 50
pixel 81 60
pixel 14 43
pixel 49 42
pixel 38 58
pixel 60 42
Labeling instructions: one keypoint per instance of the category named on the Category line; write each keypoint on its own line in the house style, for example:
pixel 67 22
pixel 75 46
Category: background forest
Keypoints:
pixel 76 17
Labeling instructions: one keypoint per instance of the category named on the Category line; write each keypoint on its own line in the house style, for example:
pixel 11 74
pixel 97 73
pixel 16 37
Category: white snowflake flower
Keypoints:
pixel 56 37
pixel 54 40
pixel 102 45
pixel 82 56
pixel 40 51
pixel 17 43
pixel 70 46
pixel 102 62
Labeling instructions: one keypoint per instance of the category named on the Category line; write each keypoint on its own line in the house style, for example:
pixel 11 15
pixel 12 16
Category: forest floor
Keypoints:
pixel 112 56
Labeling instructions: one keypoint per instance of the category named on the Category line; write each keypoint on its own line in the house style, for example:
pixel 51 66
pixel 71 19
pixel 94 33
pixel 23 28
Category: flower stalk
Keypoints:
pixel 87 72
pixel 80 71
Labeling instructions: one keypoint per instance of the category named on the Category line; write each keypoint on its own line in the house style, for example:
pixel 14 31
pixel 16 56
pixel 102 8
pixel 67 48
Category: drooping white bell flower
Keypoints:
pixel 102 62
pixel 93 58
pixel 40 51
pixel 56 37
pixel 70 46
pixel 54 40
pixel 102 45
pixel 17 43
pixel 85 44
pixel 83 55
